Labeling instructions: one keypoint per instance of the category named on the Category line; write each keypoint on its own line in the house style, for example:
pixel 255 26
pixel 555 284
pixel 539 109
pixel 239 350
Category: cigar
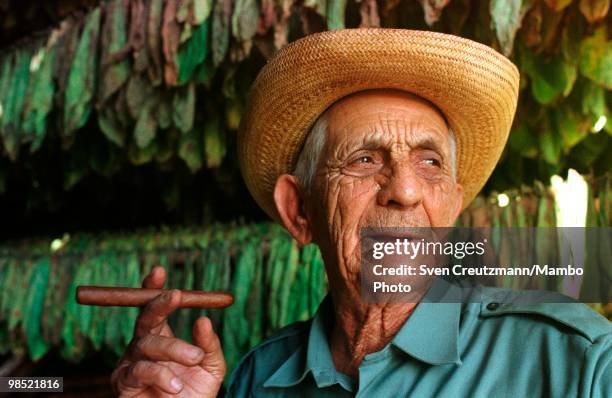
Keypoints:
pixel 138 297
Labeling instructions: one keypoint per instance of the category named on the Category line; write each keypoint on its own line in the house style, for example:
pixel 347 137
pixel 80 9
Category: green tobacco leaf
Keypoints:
pixel 596 58
pixel 183 105
pixel 523 140
pixel 190 150
pixel 82 79
pixel 244 19
pixel 568 124
pixel 506 17
pixel 41 104
pixel 335 14
pixel 12 103
pixel 550 146
pixel 214 142
pixel 146 125
pixel 115 67
pixel 193 52
pixel 221 30
pixel 138 93
pixel 34 305
pixel 111 126
pixel 201 10
pixel 139 156
pixel 550 78
pixel 593 100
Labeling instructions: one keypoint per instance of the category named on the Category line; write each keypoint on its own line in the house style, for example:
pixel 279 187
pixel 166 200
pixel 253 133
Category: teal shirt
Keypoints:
pixel 481 347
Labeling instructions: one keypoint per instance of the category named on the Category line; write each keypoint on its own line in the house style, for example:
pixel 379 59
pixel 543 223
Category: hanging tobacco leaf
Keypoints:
pixel 369 14
pixel 115 68
pixel 268 15
pixel 571 127
pixel 82 79
pixel 139 16
pixel 550 78
pixel 40 104
pixel 183 10
pixel 183 105
pixel 244 19
pixel 67 41
pixel 138 92
pixel 214 142
pixel 111 127
pixel 190 150
pixel 193 52
pixel 170 32
pixel 335 14
pixel 594 10
pixel 596 58
pixel 433 9
pixel 138 155
pixel 167 145
pixel 13 102
pixel 506 18
pixel 164 110
pixel 201 10
pixel 146 125
pixel 557 5
pixel 222 13
pixel 154 12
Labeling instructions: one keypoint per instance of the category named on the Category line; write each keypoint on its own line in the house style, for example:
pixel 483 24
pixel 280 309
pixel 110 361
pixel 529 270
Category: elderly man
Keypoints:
pixel 377 128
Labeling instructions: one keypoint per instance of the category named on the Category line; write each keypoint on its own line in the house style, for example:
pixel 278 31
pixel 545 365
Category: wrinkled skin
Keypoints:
pixel 386 163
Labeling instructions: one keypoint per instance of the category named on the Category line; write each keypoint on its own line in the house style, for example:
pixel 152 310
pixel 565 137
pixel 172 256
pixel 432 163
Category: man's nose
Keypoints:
pixel 403 189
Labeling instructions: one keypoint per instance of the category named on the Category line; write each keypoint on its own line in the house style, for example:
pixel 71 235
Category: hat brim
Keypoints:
pixel 475 87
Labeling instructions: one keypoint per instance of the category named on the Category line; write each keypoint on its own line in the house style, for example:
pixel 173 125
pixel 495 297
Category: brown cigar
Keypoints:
pixel 137 297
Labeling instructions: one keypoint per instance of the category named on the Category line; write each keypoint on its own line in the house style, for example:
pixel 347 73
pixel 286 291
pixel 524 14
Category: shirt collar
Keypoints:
pixel 430 335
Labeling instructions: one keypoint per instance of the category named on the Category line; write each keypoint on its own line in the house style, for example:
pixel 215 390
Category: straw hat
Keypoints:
pixel 475 87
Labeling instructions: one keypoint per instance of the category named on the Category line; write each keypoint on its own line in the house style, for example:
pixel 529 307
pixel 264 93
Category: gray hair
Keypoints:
pixel 308 160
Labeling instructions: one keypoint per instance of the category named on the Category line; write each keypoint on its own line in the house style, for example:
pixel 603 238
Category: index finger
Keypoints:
pixel 154 315
pixel 155 279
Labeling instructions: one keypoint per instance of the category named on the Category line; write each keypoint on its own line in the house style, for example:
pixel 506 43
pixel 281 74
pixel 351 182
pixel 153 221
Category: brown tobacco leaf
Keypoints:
pixel 138 30
pixel 433 9
pixel 115 67
pixel 221 20
pixel 281 25
pixel 369 14
pixel 171 32
pixel 557 5
pixel 594 10
pixel 154 13
pixel 532 26
pixel 266 16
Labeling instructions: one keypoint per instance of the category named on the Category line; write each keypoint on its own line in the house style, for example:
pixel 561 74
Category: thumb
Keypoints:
pixel 205 337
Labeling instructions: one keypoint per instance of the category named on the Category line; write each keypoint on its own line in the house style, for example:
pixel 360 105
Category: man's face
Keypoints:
pixel 386 163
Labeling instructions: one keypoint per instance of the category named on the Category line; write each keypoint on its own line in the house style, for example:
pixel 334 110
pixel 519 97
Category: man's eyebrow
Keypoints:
pixel 376 141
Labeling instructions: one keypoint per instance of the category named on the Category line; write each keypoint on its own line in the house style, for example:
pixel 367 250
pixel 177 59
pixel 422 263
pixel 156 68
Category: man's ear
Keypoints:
pixel 289 200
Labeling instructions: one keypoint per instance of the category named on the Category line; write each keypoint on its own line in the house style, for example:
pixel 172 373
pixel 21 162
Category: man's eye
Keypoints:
pixel 432 162
pixel 365 159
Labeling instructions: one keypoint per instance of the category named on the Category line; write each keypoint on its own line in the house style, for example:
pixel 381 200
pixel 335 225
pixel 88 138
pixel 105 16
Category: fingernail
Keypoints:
pixel 194 353
pixel 177 384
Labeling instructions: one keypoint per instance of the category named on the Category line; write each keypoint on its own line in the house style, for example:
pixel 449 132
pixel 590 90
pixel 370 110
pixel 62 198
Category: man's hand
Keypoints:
pixel 157 364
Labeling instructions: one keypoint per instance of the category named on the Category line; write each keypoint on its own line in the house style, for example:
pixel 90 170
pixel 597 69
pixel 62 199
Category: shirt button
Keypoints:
pixel 492 306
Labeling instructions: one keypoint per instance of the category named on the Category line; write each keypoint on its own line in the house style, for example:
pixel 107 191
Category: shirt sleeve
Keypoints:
pixel 597 371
